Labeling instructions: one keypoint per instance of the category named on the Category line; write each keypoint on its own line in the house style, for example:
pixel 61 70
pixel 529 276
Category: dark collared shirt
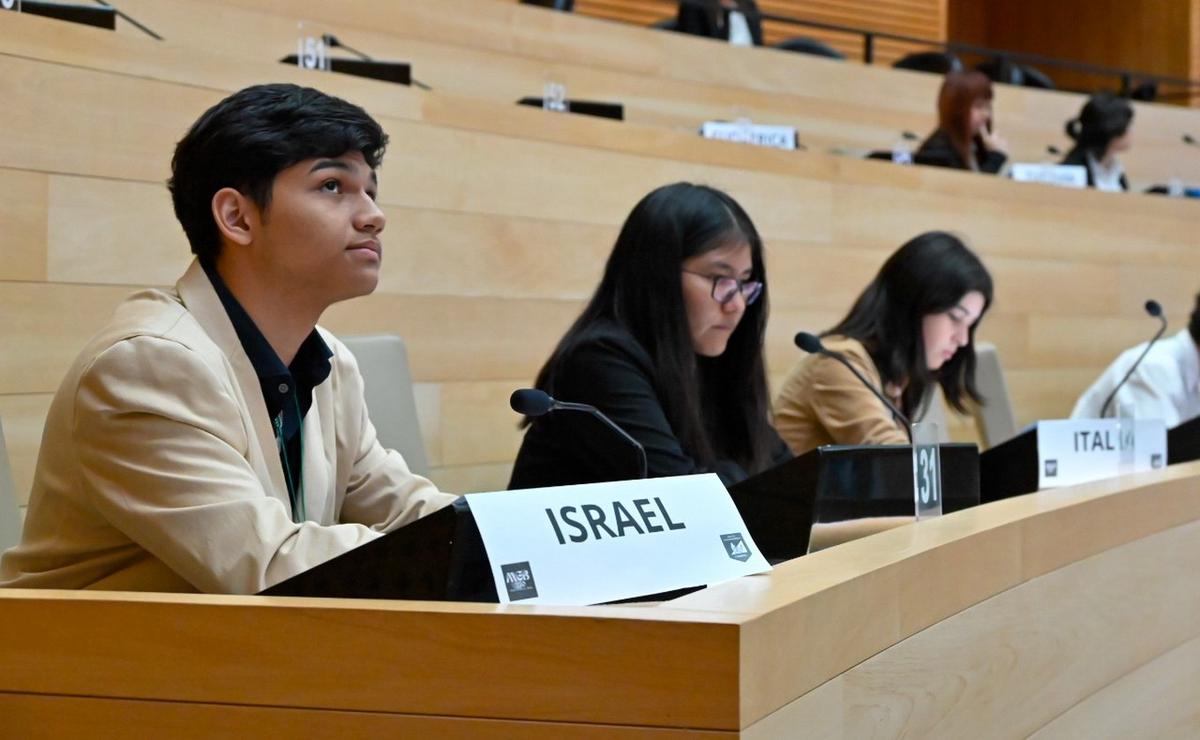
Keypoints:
pixel 287 389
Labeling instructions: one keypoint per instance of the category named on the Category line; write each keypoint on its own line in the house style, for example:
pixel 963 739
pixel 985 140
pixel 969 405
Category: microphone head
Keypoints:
pixel 330 40
pixel 1153 308
pixel 1188 139
pixel 1051 149
pixel 530 401
pixel 810 343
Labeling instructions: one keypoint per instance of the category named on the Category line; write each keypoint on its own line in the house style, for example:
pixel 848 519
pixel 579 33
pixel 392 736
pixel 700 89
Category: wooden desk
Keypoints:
pixel 1067 613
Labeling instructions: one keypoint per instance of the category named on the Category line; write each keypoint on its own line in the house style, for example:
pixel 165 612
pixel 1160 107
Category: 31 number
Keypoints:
pixel 925 475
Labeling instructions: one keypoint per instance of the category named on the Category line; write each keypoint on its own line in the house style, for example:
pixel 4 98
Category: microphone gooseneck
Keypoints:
pixel 1155 310
pixel 534 402
pixel 811 344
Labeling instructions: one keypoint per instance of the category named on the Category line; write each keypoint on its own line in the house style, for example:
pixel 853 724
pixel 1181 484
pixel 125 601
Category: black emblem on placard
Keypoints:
pixel 1156 461
pixel 518 579
pixel 1052 468
pixel 735 546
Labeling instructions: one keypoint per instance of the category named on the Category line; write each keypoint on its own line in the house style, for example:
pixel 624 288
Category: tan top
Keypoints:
pixel 159 468
pixel 822 403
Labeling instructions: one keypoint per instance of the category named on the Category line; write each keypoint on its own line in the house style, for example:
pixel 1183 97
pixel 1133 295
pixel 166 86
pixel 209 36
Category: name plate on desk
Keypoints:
pixel 778 137
pixel 1072 451
pixel 1145 441
pixel 1063 175
pixel 588 544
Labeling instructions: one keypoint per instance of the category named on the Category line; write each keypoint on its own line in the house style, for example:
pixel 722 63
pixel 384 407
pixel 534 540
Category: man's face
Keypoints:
pixel 319 236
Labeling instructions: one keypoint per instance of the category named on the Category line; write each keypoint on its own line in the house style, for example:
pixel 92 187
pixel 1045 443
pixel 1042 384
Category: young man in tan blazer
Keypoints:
pixel 212 437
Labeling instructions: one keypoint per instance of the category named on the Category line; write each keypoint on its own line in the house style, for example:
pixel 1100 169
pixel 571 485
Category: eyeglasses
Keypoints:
pixel 724 288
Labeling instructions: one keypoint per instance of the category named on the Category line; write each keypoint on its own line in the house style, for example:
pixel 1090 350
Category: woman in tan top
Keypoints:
pixel 913 327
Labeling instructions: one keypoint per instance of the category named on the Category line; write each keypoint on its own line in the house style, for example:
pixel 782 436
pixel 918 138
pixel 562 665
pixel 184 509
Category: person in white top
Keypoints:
pixel 1166 385
pixel 1101 132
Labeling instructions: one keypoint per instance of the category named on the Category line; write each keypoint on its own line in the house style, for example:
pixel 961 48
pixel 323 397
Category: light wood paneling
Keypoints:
pixel 972 624
pixel 1156 700
pixel 23 225
pixel 23 417
pixel 514 249
pixel 1037 646
pixel 49 323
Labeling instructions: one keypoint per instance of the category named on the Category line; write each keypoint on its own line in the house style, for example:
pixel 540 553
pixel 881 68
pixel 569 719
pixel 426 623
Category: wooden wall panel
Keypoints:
pixel 923 19
pixel 1037 645
pixel 1150 36
pixel 500 219
pixel 1046 611
pixel 836 106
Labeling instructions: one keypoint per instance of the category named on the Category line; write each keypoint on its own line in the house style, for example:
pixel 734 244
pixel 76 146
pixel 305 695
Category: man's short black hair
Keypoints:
pixel 248 138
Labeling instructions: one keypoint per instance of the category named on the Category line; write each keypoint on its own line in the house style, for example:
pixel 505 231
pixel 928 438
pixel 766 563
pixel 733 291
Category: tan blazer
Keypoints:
pixel 159 468
pixel 822 403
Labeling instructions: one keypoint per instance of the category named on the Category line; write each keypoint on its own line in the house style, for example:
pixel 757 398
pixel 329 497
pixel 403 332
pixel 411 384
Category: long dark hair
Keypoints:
pixel 929 274
pixel 957 96
pixel 718 407
pixel 1104 117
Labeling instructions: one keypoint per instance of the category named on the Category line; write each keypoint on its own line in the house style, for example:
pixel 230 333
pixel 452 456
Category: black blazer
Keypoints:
pixel 938 151
pixel 1079 156
pixel 713 21
pixel 608 369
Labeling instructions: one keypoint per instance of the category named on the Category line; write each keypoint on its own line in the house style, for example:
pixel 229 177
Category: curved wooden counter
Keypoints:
pixel 1068 613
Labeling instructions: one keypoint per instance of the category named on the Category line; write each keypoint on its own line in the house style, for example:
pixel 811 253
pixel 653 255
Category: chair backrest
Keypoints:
pixel 806 45
pixel 383 361
pixel 10 514
pixel 935 412
pixel 937 62
pixel 994 419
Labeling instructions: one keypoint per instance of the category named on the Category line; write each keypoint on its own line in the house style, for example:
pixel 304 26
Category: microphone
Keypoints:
pixel 1155 311
pixel 811 344
pixel 1190 140
pixel 1051 149
pixel 533 402
pixel 333 42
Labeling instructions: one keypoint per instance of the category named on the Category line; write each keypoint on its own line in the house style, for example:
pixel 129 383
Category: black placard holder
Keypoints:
pixel 1183 442
pixel 615 111
pixel 439 557
pixel 1010 468
pixel 397 72
pixel 99 16
pixel 839 482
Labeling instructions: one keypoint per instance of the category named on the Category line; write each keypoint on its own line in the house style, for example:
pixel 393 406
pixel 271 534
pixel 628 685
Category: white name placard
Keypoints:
pixel 1148 440
pixel 587 544
pixel 778 137
pixel 1074 451
pixel 1063 175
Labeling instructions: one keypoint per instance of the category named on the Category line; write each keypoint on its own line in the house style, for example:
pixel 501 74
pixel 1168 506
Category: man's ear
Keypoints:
pixel 235 215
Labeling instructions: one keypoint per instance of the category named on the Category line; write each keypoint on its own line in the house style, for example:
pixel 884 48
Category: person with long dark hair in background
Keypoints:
pixel 911 329
pixel 670 347
pixel 1101 132
pixel 964 138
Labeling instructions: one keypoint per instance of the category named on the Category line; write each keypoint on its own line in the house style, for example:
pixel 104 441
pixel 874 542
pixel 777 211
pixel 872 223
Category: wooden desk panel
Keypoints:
pixel 1047 611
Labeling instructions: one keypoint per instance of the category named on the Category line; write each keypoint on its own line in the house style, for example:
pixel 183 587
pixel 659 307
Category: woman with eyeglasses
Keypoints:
pixel 669 347
pixel 913 328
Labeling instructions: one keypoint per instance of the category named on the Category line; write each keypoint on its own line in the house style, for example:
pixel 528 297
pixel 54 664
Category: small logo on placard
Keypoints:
pixel 518 579
pixel 1052 468
pixel 735 546
pixel 1156 461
